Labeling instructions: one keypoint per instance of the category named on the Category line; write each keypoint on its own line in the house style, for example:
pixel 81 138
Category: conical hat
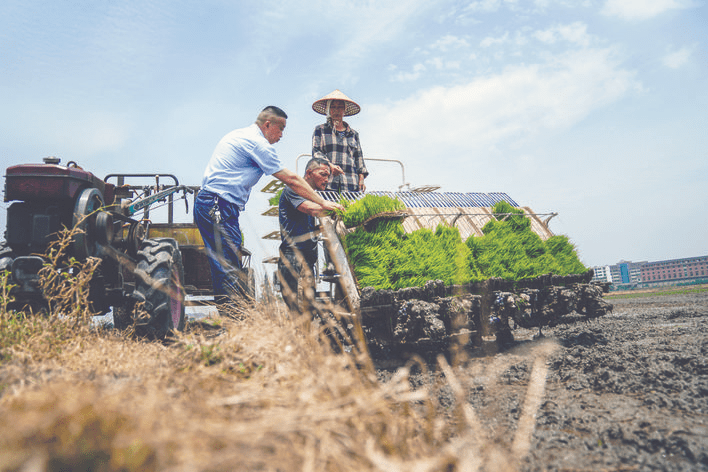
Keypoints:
pixel 351 107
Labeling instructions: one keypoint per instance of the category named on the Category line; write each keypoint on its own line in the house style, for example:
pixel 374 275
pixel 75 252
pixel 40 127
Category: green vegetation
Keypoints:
pixel 425 255
pixel 510 250
pixel 387 258
pixel 356 213
pixel 274 200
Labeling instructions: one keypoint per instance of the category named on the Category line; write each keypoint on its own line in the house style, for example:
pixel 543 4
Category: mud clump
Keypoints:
pixel 434 314
pixel 418 319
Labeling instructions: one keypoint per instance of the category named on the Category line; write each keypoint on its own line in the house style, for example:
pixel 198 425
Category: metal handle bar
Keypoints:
pixel 403 170
pixel 121 177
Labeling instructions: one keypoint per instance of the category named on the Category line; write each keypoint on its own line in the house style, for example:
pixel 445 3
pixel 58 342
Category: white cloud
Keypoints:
pixel 492 6
pixel 493 113
pixel 440 64
pixel 574 33
pixel 448 42
pixel 415 74
pixel 676 59
pixel 642 9
pixel 354 28
pixel 447 45
pixel 490 41
pixel 567 3
pixel 487 5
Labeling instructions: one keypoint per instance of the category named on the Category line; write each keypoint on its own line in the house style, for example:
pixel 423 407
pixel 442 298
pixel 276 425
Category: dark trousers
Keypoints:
pixel 290 270
pixel 223 243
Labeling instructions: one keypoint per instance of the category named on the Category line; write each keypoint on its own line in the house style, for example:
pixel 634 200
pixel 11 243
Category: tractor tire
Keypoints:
pixel 159 278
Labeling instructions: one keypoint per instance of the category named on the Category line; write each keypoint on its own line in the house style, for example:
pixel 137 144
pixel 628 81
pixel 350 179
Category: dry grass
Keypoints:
pixel 260 391
pixel 265 394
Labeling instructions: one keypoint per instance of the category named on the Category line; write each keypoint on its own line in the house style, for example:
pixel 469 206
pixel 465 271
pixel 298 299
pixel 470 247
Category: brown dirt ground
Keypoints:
pixel 628 391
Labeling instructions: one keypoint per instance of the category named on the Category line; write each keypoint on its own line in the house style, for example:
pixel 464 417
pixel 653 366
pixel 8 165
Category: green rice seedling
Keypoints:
pixel 275 200
pixel 425 255
pixel 372 253
pixel 387 258
pixel 565 254
pixel 358 212
pixel 510 249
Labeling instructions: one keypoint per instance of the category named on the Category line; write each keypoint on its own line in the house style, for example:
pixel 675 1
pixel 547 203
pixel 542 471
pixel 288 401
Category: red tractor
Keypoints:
pixel 49 197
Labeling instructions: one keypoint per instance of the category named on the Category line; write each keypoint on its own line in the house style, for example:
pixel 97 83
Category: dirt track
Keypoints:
pixel 628 391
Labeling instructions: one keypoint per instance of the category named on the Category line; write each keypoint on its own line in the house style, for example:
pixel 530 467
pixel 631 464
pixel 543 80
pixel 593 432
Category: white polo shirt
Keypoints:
pixel 240 159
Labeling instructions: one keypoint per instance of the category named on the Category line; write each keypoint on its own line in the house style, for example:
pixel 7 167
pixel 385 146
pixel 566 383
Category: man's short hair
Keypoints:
pixel 315 163
pixel 268 113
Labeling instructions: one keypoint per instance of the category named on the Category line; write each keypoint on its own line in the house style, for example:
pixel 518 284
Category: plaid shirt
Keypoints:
pixel 342 149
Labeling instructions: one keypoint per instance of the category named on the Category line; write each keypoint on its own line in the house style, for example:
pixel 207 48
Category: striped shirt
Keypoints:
pixel 342 149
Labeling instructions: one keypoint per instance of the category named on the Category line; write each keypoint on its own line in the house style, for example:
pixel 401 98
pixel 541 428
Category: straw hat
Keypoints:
pixel 351 107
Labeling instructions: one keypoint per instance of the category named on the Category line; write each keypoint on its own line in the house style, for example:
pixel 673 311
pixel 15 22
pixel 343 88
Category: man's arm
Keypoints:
pixel 302 188
pixel 311 208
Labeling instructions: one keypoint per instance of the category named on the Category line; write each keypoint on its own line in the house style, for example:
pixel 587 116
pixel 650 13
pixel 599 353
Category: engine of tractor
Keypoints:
pixel 49 197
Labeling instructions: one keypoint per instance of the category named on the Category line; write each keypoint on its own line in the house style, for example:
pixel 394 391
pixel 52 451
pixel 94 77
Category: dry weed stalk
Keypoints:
pixel 65 281
pixel 5 297
pixel 534 396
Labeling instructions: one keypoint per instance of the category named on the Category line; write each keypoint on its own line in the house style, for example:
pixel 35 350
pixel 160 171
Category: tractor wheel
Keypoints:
pixel 160 286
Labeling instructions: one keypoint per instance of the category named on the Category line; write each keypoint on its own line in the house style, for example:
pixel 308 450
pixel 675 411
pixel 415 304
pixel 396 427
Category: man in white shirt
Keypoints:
pixel 240 159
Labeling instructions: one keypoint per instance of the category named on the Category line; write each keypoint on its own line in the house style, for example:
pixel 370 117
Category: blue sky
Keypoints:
pixel 595 109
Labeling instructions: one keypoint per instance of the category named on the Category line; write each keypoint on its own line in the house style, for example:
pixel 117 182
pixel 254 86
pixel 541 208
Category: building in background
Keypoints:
pixel 628 274
pixel 602 274
pixel 674 271
pixel 622 274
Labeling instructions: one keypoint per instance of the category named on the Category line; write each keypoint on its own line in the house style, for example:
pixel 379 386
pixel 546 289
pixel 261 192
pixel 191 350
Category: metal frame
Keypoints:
pixel 403 170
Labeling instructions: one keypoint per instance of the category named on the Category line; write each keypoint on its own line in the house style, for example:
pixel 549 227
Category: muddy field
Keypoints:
pixel 628 391
pixel 261 391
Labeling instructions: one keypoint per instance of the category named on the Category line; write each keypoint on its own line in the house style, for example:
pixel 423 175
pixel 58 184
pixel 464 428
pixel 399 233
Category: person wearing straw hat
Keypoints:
pixel 339 144
pixel 239 160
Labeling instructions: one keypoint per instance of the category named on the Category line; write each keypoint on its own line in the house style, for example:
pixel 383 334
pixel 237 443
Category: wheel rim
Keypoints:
pixel 89 201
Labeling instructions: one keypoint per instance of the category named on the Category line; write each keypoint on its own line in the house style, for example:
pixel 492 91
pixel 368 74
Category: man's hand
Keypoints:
pixel 362 185
pixel 336 170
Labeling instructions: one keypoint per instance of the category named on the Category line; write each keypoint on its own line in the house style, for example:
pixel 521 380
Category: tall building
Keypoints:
pixel 620 274
pixel 602 274
pixel 649 274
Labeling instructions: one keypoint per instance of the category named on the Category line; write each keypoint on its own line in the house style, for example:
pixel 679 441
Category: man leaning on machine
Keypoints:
pixel 298 232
